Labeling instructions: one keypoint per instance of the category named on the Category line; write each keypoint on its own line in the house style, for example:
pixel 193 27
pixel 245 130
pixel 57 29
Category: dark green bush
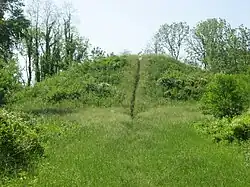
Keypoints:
pixel 237 129
pixel 240 128
pixel 216 128
pixel 181 86
pixel 159 64
pixel 170 78
pixel 88 83
pixel 19 142
pixel 226 96
pixel 9 80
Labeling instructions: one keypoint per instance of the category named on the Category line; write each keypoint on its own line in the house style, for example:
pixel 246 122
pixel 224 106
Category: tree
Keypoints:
pixel 27 51
pixel 48 24
pixel 75 46
pixel 208 41
pixel 12 26
pixel 195 50
pixel 154 46
pixel 241 46
pixel 56 42
pixel 218 47
pixel 97 52
pixel 81 49
pixel 9 80
pixel 172 37
pixel 34 16
pixel 56 50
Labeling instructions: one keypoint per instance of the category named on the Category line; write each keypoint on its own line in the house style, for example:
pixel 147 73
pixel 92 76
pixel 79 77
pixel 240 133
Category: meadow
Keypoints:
pixel 74 114
pixel 92 141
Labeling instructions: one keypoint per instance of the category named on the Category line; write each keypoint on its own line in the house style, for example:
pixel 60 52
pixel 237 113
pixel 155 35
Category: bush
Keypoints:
pixel 88 83
pixel 159 64
pixel 167 77
pixel 225 96
pixel 9 80
pixel 240 128
pixel 181 86
pixel 19 142
pixel 216 128
pixel 237 129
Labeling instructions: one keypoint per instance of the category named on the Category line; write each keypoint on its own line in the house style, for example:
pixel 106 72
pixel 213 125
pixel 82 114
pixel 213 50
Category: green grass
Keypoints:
pixel 159 148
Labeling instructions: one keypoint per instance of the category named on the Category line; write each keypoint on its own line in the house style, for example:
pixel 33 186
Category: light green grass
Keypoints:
pixel 159 148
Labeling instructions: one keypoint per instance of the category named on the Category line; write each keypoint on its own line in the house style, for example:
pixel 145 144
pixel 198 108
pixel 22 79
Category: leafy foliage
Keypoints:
pixel 19 141
pixel 180 86
pixel 172 79
pixel 240 128
pixel 90 83
pixel 226 96
pixel 172 37
pixel 11 26
pixel 216 46
pixel 9 80
pixel 237 129
pixel 154 46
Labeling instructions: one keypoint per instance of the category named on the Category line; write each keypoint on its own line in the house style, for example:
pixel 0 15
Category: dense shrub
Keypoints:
pixel 9 80
pixel 240 128
pixel 172 79
pixel 88 83
pixel 181 86
pixel 19 141
pixel 159 64
pixel 216 128
pixel 102 70
pixel 226 96
pixel 237 129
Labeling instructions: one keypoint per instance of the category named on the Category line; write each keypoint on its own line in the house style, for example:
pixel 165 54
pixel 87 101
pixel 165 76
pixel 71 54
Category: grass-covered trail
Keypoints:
pixel 160 148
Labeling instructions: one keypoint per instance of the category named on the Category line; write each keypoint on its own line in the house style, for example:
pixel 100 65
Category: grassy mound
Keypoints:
pixel 96 146
pixel 109 81
pixel 91 83
pixel 171 79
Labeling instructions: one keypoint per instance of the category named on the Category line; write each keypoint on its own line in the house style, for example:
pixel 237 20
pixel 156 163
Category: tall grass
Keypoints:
pixel 92 140
pixel 158 148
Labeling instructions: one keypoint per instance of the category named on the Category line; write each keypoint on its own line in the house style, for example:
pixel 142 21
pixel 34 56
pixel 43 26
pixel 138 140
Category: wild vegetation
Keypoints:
pixel 82 117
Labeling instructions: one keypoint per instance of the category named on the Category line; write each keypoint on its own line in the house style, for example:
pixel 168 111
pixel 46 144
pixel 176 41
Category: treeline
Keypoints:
pixel 44 36
pixel 212 44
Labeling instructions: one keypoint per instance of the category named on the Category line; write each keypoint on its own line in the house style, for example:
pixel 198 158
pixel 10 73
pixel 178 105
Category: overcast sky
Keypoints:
pixel 116 25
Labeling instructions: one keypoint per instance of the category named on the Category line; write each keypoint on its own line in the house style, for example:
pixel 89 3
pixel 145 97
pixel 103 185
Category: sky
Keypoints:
pixel 118 25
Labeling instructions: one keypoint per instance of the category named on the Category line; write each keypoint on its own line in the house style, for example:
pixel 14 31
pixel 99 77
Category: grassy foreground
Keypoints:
pixel 159 148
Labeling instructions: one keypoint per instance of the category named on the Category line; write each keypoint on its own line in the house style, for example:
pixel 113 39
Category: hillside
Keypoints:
pixel 89 139
pixel 103 147
pixel 106 82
